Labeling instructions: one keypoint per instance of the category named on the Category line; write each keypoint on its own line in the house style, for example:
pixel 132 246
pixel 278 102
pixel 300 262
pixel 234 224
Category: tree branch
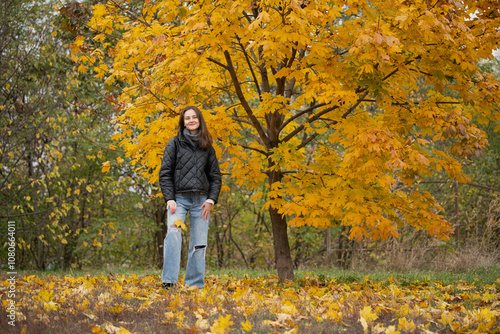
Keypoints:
pixel 250 67
pixel 309 120
pixel 244 102
pixel 351 109
pixel 218 63
pixel 408 103
pixel 251 149
pixel 210 97
pixel 240 120
pixel 132 15
pixel 307 141
pixel 300 113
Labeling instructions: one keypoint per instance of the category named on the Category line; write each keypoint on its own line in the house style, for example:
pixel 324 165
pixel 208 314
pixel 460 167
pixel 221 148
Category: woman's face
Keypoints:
pixel 191 121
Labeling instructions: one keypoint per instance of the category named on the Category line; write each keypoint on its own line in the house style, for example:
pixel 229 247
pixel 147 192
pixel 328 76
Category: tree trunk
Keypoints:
pixel 159 234
pixel 282 255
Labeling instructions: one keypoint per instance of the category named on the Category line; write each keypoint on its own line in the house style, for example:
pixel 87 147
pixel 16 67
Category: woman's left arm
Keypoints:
pixel 213 175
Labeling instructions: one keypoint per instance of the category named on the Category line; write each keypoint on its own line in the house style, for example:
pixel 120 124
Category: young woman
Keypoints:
pixel 190 181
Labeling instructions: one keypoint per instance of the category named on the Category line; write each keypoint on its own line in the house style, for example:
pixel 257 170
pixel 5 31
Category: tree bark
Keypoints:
pixel 159 235
pixel 282 255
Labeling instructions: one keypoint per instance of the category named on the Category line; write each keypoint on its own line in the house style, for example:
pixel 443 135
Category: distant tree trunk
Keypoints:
pixel 159 234
pixel 218 242
pixel 344 256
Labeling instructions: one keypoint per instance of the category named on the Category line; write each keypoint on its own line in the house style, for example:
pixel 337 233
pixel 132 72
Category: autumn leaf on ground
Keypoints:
pixel 246 326
pixel 367 317
pixel 261 305
pixel 222 325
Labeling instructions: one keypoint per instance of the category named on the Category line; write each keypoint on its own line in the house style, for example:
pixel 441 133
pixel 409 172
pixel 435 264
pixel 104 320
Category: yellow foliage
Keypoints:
pixel 264 305
pixel 326 95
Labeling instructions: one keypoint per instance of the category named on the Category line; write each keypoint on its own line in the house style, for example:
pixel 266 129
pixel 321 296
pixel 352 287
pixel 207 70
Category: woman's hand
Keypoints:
pixel 206 206
pixel 172 206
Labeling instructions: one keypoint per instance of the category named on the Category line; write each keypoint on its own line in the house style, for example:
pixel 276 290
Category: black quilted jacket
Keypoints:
pixel 186 168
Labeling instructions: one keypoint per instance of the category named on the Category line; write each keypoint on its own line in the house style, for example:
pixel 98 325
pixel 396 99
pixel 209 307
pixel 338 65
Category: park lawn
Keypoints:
pixel 239 301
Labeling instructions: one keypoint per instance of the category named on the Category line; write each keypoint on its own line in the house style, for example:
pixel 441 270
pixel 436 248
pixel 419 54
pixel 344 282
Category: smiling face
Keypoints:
pixel 191 121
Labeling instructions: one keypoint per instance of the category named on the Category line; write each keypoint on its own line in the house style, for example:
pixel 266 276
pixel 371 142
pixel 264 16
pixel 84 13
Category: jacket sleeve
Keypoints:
pixel 213 175
pixel 167 170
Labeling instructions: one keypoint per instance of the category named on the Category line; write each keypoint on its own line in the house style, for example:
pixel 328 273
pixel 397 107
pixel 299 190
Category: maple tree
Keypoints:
pixel 333 105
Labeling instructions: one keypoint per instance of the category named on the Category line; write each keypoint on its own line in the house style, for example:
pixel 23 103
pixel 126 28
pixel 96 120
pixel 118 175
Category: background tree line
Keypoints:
pixel 56 142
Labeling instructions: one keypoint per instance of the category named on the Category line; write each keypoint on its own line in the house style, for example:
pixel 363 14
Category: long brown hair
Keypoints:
pixel 204 138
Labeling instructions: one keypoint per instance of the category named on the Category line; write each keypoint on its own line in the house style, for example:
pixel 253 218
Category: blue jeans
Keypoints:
pixel 195 269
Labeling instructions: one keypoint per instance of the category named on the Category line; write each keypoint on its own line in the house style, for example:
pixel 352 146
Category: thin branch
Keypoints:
pixel 351 109
pixel 420 71
pixel 245 15
pixel 132 15
pixel 408 103
pixel 307 141
pixel 300 113
pixel 240 120
pixel 210 97
pixel 251 68
pixel 218 63
pixel 309 120
pixel 148 89
pixel 251 149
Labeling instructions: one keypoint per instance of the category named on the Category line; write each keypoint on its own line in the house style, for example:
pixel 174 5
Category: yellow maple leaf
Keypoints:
pixel 392 330
pixel 82 68
pixel 367 317
pixel 50 306
pixel 246 326
pixel 116 309
pixel 99 10
pixel 201 323
pixel 180 224
pixel 105 166
pixel 98 330
pixel 221 325
pixel 46 295
pixel 407 326
pixel 79 40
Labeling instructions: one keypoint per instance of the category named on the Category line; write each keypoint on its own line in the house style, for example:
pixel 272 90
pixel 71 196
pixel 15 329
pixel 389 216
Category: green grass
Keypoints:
pixel 481 276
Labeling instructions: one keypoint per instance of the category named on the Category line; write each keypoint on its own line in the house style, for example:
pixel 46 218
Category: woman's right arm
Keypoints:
pixel 167 169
